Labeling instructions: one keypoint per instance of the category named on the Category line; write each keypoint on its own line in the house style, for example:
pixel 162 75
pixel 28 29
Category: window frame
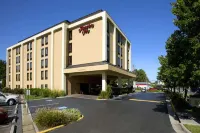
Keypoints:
pixel 46 40
pixel 42 52
pixel 46 51
pixel 42 63
pixel 42 41
pixel 27 56
pixel 30 76
pixel 42 75
pixel 46 74
pixel 27 78
pixel 30 65
pixel 46 63
pixel 27 66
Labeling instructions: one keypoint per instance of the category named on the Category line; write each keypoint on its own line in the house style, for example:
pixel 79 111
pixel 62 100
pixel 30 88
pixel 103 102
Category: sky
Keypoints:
pixel 147 24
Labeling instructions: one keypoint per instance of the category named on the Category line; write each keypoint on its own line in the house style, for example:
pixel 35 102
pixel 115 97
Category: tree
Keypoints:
pixel 140 75
pixel 2 69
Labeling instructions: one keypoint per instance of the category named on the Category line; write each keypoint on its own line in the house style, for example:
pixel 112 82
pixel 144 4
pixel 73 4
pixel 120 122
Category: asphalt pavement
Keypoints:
pixel 114 116
pixel 5 127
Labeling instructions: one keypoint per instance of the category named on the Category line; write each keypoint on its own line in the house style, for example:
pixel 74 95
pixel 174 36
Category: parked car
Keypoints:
pixel 9 99
pixel 143 90
pixel 3 115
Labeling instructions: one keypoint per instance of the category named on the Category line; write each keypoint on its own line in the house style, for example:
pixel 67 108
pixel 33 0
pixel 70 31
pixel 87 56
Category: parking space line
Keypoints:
pixel 139 100
pixel 43 105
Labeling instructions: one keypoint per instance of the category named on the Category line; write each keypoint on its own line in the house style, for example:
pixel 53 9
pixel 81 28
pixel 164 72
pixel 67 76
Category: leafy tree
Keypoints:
pixel 140 75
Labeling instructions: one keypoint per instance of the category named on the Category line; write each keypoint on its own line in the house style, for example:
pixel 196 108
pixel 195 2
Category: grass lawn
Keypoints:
pixel 32 97
pixel 193 128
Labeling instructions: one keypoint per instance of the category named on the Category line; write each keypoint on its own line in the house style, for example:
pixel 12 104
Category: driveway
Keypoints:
pixel 112 116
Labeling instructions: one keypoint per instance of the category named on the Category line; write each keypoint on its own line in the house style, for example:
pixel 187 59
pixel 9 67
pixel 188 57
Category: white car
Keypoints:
pixel 143 90
pixel 9 99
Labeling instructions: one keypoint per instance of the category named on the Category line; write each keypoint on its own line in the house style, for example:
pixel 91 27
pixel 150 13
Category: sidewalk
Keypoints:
pixel 27 122
pixel 175 123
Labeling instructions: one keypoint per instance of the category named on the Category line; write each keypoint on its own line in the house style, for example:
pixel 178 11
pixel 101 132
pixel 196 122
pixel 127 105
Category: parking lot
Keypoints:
pixel 112 115
pixel 5 127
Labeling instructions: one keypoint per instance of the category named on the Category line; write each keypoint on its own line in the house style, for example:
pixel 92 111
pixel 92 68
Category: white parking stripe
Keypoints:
pixel 44 105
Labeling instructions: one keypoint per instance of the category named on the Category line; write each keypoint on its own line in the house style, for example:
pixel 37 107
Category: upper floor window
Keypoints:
pixel 9 54
pixel 42 63
pixel 30 75
pixel 46 74
pixel 118 49
pixel 42 41
pixel 42 75
pixel 9 79
pixel 30 45
pixel 27 56
pixel 121 63
pixel 121 51
pixel 9 70
pixel 30 65
pixel 46 51
pixel 70 60
pixel 9 62
pixel 17 50
pixel 17 59
pixel 46 63
pixel 46 40
pixel 27 76
pixel 70 35
pixel 108 56
pixel 46 86
pixel 27 66
pixel 42 52
pixel 118 38
pixel 30 55
pixel 118 61
pixel 18 68
pixel 70 47
pixel 108 27
pixel 108 41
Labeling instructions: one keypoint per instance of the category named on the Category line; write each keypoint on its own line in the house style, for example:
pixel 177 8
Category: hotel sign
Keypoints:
pixel 86 29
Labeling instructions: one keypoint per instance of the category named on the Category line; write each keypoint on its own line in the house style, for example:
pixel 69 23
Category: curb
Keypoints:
pixel 182 126
pixel 14 127
pixel 186 130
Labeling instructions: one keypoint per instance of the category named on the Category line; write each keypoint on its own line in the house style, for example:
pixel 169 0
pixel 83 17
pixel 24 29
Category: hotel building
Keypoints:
pixel 71 56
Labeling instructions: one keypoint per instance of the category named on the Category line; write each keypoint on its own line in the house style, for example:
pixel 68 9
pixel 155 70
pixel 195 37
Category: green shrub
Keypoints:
pixel 18 91
pixel 106 94
pixel 54 93
pixel 36 91
pixel 46 92
pixel 46 117
pixel 6 90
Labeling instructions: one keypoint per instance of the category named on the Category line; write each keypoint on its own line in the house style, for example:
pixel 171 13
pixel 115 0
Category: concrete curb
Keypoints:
pixel 34 125
pixel 186 130
pixel 14 127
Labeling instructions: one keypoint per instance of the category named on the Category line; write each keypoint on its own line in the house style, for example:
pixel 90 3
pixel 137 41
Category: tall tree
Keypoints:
pixel 140 75
pixel 3 72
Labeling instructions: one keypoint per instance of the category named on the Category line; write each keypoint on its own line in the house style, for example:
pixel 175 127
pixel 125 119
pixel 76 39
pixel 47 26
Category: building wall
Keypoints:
pixel 87 48
pixel 57 66
pixel 111 30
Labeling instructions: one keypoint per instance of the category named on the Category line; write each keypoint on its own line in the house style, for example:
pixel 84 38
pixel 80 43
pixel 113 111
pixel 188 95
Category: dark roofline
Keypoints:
pixel 65 21
pixel 86 16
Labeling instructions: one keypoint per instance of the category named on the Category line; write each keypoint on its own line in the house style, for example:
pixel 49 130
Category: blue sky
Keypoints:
pixel 146 23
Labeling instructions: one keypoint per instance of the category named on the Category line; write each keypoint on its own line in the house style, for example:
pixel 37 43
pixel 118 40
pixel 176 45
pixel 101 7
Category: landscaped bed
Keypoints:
pixel 51 117
pixel 193 128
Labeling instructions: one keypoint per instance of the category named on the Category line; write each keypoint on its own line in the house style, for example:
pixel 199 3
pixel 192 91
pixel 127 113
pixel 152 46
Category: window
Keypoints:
pixel 42 41
pixel 16 86
pixel 9 54
pixel 108 41
pixel 118 61
pixel 46 86
pixel 42 52
pixel 27 66
pixel 46 40
pixel 46 51
pixel 9 62
pixel 42 86
pixel 9 86
pixel 108 56
pixel 27 56
pixel 30 86
pixel 27 76
pixel 30 75
pixel 118 49
pixel 42 63
pixel 46 63
pixel 30 55
pixel 70 47
pixel 16 77
pixel 19 78
pixel 17 59
pixel 9 69
pixel 46 74
pixel 9 77
pixel 27 86
pixel 70 35
pixel 30 65
pixel 70 60
pixel 16 68
pixel 121 51
pixel 108 26
pixel 121 63
pixel 42 75
pixel 28 47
